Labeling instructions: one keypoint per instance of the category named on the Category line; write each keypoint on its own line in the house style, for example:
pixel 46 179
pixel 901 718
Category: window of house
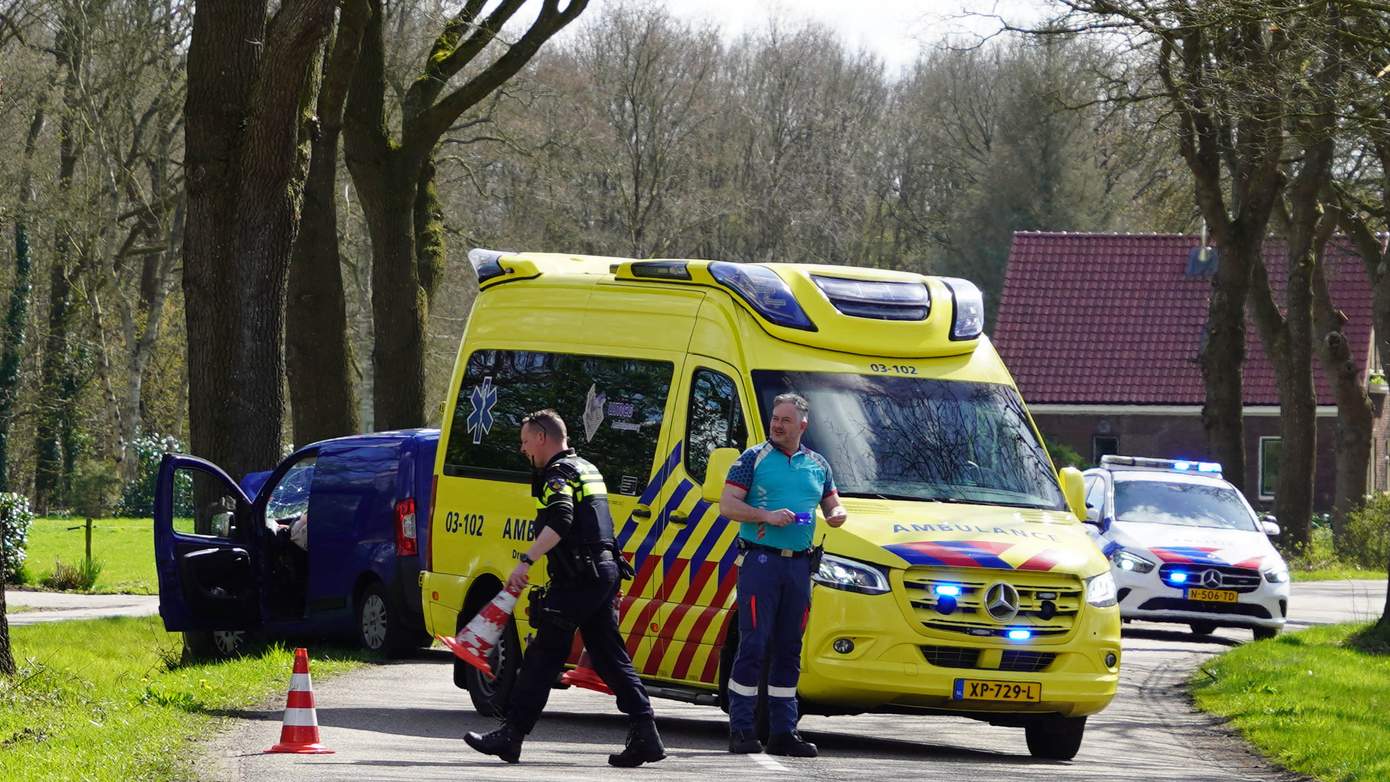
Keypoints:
pixel 1102 445
pixel 612 408
pixel 713 420
pixel 1269 466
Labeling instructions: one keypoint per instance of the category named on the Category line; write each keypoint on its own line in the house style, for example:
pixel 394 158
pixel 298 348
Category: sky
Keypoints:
pixel 895 30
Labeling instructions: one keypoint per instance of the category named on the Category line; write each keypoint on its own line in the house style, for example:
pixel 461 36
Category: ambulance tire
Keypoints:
pixel 1055 738
pixel 216 644
pixel 490 697
pixel 381 628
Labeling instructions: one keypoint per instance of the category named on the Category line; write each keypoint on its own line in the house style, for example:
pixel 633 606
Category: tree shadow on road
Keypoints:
pixel 1177 636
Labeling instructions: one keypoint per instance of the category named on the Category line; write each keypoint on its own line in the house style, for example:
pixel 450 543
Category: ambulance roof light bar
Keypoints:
pixel 486 263
pixel 1176 465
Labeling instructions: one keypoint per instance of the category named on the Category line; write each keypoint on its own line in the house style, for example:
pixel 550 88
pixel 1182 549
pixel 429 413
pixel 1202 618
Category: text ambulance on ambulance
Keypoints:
pixel 962 583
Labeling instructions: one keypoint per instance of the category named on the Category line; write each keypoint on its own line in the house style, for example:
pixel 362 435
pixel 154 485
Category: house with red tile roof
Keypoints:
pixel 1102 334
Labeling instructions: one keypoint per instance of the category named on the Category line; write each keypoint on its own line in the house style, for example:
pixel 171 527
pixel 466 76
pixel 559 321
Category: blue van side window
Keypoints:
pixel 612 406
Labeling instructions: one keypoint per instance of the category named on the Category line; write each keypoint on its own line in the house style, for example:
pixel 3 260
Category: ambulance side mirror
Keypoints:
pixel 1074 489
pixel 720 460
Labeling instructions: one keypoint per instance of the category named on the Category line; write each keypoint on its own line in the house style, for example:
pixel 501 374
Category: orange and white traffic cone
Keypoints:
pixel 474 642
pixel 584 675
pixel 300 732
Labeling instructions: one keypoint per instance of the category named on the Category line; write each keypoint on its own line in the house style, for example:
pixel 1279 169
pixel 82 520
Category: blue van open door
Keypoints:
pixel 205 548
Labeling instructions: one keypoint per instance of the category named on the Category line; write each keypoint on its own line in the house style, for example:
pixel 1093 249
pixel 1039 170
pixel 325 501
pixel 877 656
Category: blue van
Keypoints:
pixel 326 545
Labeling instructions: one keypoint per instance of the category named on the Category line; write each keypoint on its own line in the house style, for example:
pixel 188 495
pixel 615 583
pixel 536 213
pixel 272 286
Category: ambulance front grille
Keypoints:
pixel 1048 602
pixel 1019 660
pixel 951 656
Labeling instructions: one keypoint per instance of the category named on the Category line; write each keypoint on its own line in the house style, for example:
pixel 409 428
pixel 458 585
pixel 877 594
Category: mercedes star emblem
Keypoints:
pixel 1001 601
pixel 1211 579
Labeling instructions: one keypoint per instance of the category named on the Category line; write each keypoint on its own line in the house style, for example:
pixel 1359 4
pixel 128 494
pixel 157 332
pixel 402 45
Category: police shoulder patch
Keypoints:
pixel 558 483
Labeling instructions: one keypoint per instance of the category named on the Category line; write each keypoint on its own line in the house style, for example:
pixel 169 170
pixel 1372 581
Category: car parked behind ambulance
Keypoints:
pixel 326 546
pixel 963 582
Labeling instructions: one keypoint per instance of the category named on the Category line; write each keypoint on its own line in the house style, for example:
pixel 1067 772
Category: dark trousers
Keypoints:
pixel 774 598
pixel 589 609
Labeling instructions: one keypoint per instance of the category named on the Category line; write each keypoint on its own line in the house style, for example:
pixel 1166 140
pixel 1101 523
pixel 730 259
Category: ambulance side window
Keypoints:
pixel 612 406
pixel 713 420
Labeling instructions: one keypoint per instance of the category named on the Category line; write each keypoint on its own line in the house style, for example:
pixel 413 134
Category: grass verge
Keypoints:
pixel 1315 701
pixel 108 699
pixel 1337 573
pixel 124 547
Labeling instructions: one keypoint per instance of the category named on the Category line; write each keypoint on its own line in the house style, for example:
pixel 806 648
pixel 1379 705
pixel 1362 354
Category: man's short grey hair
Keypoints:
pixel 547 421
pixel 799 401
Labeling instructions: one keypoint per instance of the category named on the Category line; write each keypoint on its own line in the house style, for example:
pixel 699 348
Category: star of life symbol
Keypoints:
pixel 480 404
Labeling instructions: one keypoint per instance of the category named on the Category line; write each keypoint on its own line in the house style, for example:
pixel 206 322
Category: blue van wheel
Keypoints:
pixel 380 628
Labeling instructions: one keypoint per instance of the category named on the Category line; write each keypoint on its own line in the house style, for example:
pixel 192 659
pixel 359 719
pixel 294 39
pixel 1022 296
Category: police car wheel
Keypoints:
pixel 1264 633
pixel 1202 628
pixel 1055 738
pixel 490 696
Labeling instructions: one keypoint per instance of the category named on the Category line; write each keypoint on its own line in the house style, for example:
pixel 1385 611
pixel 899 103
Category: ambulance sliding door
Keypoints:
pixel 696 543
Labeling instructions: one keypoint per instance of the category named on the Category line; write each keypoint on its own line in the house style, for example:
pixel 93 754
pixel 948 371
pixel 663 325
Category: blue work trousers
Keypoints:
pixel 774 598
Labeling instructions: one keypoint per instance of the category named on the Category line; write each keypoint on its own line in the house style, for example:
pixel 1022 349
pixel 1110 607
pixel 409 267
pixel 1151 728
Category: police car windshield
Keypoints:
pixel 920 439
pixel 1181 503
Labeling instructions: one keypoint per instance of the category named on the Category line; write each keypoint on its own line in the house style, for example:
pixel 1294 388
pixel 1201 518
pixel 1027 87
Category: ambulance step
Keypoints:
pixel 687 694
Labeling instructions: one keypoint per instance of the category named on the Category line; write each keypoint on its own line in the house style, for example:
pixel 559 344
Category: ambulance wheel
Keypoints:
pixel 1264 633
pixel 215 644
pixel 490 696
pixel 1055 738
pixel 1202 628
pixel 380 627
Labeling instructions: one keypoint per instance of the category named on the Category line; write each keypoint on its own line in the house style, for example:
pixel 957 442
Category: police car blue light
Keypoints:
pixel 1020 635
pixel 1178 577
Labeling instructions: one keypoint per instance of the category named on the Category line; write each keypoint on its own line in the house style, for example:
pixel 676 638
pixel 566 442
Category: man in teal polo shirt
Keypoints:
pixel 773 490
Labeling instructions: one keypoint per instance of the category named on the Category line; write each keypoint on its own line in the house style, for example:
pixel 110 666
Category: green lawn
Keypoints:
pixel 108 700
pixel 124 547
pixel 1315 701
pixel 1346 573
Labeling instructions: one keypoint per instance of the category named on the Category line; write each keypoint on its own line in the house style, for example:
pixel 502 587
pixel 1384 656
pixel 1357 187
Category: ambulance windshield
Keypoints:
pixel 920 439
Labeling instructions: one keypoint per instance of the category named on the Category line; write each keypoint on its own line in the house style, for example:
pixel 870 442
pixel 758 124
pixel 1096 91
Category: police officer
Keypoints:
pixel 773 489
pixel 574 532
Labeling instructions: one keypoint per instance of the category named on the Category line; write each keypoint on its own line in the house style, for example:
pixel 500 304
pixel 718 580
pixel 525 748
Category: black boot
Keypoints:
pixel 741 743
pixel 790 744
pixel 505 742
pixel 643 746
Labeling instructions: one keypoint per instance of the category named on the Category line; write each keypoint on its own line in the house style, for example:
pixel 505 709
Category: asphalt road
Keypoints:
pixel 59 606
pixel 405 720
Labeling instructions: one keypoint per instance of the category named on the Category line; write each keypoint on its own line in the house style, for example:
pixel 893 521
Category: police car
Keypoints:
pixel 1185 546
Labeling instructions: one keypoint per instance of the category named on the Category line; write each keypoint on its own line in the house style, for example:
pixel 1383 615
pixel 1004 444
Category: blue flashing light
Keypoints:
pixel 1208 467
pixel 486 263
pixel 1182 465
pixel 1178 577
pixel 947 590
pixel 764 291
pixel 1020 635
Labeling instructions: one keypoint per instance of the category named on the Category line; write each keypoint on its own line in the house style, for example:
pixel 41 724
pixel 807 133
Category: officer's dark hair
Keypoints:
pixel 802 406
pixel 549 422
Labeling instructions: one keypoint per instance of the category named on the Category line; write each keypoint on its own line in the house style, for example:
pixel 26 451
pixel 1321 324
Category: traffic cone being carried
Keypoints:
pixel 584 675
pixel 474 642
pixel 300 732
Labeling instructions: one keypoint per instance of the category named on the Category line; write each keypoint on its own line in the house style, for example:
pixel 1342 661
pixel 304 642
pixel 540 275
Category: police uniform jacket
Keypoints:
pixel 572 499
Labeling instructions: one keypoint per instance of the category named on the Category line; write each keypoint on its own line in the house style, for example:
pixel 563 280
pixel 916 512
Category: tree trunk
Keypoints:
pixel 318 353
pixel 400 306
pixel 17 315
pixel 1222 357
pixel 7 667
pixel 247 82
pixel 1355 418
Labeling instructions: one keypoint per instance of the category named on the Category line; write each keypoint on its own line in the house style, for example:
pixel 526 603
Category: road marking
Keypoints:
pixel 768 763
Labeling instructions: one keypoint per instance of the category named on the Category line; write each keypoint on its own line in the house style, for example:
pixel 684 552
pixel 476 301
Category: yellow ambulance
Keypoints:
pixel 963 582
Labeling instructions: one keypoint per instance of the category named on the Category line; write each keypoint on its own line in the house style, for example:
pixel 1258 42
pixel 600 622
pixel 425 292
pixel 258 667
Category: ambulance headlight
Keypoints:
pixel 1100 590
pixel 1131 562
pixel 851 576
pixel 969 316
